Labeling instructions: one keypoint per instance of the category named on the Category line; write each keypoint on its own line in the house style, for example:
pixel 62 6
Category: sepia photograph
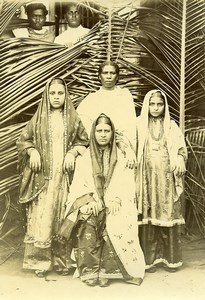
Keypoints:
pixel 102 149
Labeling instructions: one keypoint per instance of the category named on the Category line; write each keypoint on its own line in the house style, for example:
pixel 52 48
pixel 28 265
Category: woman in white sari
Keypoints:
pixel 117 103
pixel 102 214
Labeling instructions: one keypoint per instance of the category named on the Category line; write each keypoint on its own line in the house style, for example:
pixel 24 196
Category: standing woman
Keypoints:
pixel 161 157
pixel 102 212
pixel 47 149
pixel 116 102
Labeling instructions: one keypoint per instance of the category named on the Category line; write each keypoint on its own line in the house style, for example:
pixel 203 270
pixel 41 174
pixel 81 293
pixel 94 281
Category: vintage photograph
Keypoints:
pixel 102 149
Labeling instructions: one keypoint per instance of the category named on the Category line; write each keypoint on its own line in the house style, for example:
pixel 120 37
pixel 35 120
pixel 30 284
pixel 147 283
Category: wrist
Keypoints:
pixel 73 152
pixel 29 150
pixel 180 154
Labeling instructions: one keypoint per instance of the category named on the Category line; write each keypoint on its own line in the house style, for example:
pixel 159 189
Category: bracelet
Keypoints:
pixel 74 152
pixel 29 150
pixel 182 155
pixel 116 201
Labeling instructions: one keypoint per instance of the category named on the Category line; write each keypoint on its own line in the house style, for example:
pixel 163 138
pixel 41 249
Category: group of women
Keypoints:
pixel 89 177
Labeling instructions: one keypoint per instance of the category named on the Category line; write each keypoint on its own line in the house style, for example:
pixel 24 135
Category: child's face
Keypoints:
pixel 156 106
pixel 57 95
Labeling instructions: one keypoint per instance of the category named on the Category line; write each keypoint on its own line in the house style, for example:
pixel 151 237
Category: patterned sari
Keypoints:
pixel 106 246
pixel 158 187
pixel 44 193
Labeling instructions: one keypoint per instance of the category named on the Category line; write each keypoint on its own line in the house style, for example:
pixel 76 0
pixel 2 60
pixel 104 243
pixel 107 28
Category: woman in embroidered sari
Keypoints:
pixel 161 156
pixel 47 148
pixel 102 212
pixel 116 102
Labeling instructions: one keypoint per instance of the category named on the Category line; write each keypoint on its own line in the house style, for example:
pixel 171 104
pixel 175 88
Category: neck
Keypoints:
pixel 108 89
pixel 104 147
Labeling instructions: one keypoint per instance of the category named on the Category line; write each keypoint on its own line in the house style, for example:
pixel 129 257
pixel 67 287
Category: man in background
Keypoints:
pixel 36 14
pixel 75 31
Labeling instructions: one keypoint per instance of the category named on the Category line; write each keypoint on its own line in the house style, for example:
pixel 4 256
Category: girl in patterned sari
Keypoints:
pixel 161 156
pixel 102 212
pixel 47 148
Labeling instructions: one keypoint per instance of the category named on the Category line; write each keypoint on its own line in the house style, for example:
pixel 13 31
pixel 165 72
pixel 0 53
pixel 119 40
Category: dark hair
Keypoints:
pixel 108 63
pixel 159 95
pixel 68 5
pixel 33 6
pixel 57 80
pixel 103 119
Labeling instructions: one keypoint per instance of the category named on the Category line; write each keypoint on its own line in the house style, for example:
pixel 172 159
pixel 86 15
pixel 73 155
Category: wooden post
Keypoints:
pixel 182 85
pixel 182 77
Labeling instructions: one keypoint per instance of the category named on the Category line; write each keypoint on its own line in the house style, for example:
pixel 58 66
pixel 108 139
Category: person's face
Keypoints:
pixel 108 77
pixel 156 106
pixel 103 134
pixel 57 95
pixel 73 16
pixel 37 19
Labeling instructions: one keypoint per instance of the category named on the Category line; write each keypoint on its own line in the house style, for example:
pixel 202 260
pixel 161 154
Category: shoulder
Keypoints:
pixel 20 32
pixel 61 36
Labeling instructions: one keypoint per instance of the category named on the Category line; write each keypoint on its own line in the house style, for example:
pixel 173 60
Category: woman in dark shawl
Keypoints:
pixel 47 148
pixel 102 212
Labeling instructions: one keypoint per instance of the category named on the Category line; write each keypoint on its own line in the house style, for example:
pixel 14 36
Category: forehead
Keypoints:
pixel 56 87
pixel 156 99
pixel 72 8
pixel 108 68
pixel 39 12
pixel 103 126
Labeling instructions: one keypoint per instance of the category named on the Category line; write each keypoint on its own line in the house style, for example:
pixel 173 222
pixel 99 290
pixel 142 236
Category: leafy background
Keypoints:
pixel 153 49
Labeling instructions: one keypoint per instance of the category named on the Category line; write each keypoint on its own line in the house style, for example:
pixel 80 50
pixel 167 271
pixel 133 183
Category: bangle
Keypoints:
pixel 74 152
pixel 182 155
pixel 117 200
pixel 29 150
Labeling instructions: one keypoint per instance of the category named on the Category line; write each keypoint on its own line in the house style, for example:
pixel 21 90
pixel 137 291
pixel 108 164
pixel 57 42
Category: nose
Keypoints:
pixel 37 19
pixel 102 134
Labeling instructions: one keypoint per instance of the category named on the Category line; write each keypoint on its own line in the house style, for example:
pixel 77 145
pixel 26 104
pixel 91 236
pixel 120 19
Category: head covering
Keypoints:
pixel 96 158
pixel 37 134
pixel 143 120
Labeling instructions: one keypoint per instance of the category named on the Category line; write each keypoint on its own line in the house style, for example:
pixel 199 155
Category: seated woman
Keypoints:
pixel 101 212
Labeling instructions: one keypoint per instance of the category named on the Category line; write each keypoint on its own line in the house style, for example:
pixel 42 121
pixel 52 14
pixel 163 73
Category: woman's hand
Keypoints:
pixel 69 162
pixel 179 167
pixel 114 208
pixel 130 158
pixel 35 160
pixel 90 208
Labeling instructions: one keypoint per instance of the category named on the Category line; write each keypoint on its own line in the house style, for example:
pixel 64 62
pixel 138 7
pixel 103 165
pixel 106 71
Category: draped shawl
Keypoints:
pixel 119 185
pixel 37 134
pixel 174 138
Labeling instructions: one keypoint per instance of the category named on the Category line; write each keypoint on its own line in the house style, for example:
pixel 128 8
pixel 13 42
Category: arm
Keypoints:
pixel 26 147
pixel 79 145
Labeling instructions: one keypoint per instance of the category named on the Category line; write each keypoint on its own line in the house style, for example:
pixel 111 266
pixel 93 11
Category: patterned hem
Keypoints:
pixel 162 260
pixel 111 276
pixel 162 223
pixel 37 244
pixel 88 276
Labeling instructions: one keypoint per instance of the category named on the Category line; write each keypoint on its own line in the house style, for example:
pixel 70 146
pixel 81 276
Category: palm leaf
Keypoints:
pixel 148 49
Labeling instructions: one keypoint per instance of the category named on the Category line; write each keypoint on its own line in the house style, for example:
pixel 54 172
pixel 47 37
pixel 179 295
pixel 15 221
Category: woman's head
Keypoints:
pixel 57 93
pixel 103 131
pixel 156 104
pixel 108 74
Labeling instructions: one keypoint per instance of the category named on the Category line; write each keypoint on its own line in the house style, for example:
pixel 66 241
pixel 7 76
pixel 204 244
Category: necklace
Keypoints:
pixel 156 131
pixel 156 128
